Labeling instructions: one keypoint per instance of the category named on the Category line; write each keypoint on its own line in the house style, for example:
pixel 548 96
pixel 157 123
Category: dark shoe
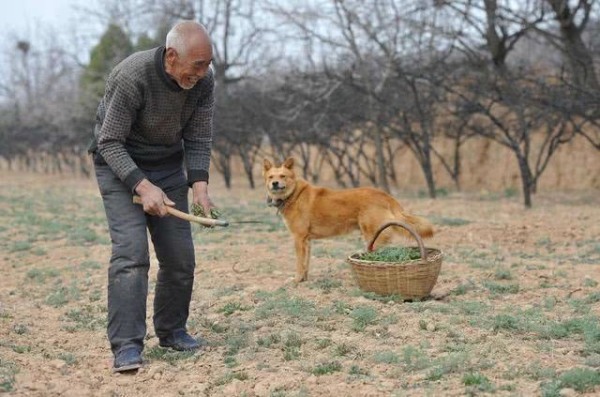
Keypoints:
pixel 181 341
pixel 127 360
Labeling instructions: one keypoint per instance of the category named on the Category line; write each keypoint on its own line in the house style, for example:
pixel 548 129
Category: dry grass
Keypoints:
pixel 517 312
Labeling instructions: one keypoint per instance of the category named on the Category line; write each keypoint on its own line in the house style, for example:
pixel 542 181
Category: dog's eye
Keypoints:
pixel 282 176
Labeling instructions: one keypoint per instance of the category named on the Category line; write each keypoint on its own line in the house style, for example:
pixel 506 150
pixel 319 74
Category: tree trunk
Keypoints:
pixel 248 170
pixel 428 173
pixel 456 170
pixel 526 179
pixel 578 55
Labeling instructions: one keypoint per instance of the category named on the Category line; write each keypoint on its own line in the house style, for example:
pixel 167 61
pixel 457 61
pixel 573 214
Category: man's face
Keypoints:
pixel 188 69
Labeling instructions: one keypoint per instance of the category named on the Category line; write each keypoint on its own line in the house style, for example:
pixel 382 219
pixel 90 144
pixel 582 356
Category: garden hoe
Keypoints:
pixel 188 217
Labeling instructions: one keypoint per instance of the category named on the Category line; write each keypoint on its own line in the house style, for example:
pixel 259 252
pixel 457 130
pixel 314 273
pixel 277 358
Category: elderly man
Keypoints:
pixel 153 138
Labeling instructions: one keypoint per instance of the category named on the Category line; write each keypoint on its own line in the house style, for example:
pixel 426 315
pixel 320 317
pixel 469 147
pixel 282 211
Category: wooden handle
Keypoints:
pixel 406 226
pixel 188 217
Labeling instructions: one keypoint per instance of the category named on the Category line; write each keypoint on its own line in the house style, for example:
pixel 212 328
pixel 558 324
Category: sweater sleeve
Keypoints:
pixel 198 134
pixel 121 101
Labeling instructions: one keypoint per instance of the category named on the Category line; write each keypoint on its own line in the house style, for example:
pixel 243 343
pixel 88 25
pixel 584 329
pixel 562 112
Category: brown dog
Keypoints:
pixel 312 212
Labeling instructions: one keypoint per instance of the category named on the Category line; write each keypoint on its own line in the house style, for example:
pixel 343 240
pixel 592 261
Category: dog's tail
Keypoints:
pixel 421 225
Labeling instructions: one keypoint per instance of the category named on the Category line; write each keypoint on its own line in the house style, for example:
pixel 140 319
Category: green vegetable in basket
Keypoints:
pixel 392 254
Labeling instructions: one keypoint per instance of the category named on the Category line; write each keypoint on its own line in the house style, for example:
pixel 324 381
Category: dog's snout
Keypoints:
pixel 275 184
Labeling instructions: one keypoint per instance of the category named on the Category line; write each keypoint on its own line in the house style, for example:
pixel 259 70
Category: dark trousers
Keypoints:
pixel 130 260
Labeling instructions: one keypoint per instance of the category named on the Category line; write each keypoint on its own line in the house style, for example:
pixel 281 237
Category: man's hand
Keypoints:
pixel 153 198
pixel 200 196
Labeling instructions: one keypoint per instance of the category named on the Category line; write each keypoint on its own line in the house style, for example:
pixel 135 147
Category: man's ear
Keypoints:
pixel 289 163
pixel 171 54
pixel 267 165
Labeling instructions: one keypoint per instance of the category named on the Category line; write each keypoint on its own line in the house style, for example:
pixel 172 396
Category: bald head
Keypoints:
pixel 187 35
pixel 188 53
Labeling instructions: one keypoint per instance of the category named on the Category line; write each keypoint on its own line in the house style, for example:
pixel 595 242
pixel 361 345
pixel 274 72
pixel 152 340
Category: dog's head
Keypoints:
pixel 280 181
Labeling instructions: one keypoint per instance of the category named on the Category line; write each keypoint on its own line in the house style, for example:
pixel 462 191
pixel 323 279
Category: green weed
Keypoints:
pixel 362 317
pixel 326 368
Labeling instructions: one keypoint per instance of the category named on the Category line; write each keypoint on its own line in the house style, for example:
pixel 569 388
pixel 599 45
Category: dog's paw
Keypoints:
pixel 300 279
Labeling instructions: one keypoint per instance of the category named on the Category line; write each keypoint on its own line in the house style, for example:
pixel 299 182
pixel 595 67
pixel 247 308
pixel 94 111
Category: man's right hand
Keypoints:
pixel 153 198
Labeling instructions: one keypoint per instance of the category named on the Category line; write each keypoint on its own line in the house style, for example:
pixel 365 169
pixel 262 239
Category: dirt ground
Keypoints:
pixel 514 312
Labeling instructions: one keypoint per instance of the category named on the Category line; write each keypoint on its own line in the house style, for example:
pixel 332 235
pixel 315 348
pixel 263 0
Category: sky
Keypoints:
pixel 19 15
pixel 32 19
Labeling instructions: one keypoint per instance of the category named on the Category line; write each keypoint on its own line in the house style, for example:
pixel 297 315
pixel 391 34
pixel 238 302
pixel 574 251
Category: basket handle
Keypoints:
pixel 410 229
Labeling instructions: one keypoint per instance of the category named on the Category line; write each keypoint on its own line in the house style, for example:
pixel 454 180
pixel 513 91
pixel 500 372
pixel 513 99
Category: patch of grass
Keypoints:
pixel 593 360
pixel 326 368
pixel 386 357
pixel 506 322
pixel 229 308
pixel 343 349
pixel 356 370
pixel 213 326
pixel 83 234
pixel 227 291
pixel 511 192
pixel 415 359
pixel 471 308
pixel 477 381
pixel 543 242
pixel 230 376
pixel 41 275
pixel 20 329
pixel 280 303
pixel 463 288
pixel 537 371
pixel 167 355
pixel 292 344
pixel 591 337
pixel 269 340
pixel 452 363
pixel 503 274
pixel 590 282
pixel 362 317
pixel 327 284
pixel 21 349
pixel 63 295
pixel 68 358
pixel 323 343
pixel 589 252
pixel 91 265
pixel 580 379
pixel 85 318
pixel 20 246
pixel 8 370
pixel 501 289
pixel 236 342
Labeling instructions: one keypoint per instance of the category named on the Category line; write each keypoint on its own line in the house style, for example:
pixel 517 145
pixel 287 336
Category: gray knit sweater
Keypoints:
pixel 145 121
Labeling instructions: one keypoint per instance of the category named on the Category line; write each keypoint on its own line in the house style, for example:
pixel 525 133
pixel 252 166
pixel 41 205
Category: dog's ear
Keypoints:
pixel 267 165
pixel 289 163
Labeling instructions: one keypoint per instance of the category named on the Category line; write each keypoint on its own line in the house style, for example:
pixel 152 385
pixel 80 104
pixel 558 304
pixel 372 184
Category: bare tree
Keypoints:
pixel 507 102
pixel 573 18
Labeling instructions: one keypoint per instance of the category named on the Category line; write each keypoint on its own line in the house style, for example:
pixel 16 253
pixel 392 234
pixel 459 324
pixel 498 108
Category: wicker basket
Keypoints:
pixel 413 279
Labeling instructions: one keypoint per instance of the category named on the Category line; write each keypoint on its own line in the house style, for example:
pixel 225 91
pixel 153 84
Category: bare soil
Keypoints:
pixel 514 312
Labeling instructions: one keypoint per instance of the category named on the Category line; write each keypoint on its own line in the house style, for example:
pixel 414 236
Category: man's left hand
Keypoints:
pixel 200 196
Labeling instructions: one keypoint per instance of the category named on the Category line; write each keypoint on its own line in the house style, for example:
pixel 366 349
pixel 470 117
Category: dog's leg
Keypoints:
pixel 306 263
pixel 302 245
